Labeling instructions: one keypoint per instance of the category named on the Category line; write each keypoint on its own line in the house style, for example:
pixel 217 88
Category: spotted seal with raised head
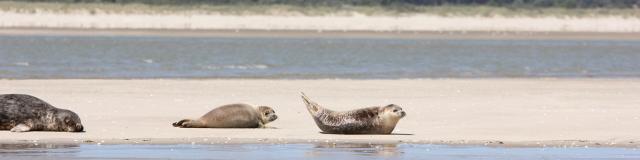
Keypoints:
pixel 232 116
pixel 370 120
pixel 22 113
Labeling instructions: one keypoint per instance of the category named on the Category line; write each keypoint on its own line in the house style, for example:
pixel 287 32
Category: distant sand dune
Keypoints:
pixel 319 23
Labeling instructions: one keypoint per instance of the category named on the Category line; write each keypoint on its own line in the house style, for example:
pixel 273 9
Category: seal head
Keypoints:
pixel 267 114
pixel 68 121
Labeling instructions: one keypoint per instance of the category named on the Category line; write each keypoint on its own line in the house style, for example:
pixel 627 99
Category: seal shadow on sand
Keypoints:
pixel 237 128
pixel 76 132
pixel 391 134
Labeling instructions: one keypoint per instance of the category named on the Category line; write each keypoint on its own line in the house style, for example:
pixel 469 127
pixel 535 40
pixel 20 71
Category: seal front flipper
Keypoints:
pixel 268 127
pixel 21 128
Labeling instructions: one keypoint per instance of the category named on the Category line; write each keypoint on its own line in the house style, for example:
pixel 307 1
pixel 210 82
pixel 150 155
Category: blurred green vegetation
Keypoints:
pixel 507 8
pixel 499 3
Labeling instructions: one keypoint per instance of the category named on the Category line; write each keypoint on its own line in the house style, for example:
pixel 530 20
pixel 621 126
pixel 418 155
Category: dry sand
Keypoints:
pixel 356 22
pixel 510 112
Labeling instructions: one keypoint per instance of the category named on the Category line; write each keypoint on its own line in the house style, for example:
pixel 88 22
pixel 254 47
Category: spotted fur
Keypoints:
pixel 370 120
pixel 21 113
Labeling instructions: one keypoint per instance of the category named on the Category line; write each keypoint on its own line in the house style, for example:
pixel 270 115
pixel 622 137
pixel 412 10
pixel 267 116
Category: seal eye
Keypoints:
pixel 395 110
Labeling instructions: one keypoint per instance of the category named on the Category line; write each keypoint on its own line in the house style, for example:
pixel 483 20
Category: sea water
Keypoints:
pixel 127 57
pixel 327 151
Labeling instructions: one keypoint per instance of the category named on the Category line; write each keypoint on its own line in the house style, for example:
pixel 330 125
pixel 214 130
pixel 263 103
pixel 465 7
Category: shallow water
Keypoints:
pixel 357 58
pixel 306 151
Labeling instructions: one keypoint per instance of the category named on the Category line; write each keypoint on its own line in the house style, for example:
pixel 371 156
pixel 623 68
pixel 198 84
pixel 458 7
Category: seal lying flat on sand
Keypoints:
pixel 371 120
pixel 22 113
pixel 232 116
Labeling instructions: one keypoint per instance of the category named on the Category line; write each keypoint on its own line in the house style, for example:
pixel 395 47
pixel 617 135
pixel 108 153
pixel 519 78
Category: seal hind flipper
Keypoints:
pixel 311 106
pixel 187 123
pixel 179 123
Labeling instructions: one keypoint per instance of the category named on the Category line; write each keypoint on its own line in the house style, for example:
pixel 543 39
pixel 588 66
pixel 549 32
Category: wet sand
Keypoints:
pixel 500 112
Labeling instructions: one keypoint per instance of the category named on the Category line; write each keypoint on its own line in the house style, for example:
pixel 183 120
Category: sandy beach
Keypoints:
pixel 324 23
pixel 501 112
pixel 207 33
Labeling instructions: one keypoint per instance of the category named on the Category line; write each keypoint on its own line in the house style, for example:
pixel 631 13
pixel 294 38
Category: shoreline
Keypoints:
pixel 281 141
pixel 325 23
pixel 515 113
pixel 489 35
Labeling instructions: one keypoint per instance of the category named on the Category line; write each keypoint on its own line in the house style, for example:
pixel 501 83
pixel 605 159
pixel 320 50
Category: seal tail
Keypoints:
pixel 313 107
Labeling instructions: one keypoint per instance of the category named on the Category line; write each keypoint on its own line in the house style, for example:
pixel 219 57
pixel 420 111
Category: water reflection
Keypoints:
pixel 324 151
pixel 358 149
pixel 35 148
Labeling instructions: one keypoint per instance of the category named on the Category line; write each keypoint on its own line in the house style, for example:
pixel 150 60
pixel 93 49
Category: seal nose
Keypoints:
pixel 274 117
pixel 403 114
pixel 79 127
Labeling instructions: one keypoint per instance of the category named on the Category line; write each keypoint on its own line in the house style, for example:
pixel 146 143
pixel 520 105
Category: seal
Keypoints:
pixel 370 120
pixel 23 113
pixel 232 116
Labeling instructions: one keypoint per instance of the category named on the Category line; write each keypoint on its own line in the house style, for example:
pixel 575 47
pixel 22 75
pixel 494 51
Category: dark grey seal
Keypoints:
pixel 370 120
pixel 22 113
